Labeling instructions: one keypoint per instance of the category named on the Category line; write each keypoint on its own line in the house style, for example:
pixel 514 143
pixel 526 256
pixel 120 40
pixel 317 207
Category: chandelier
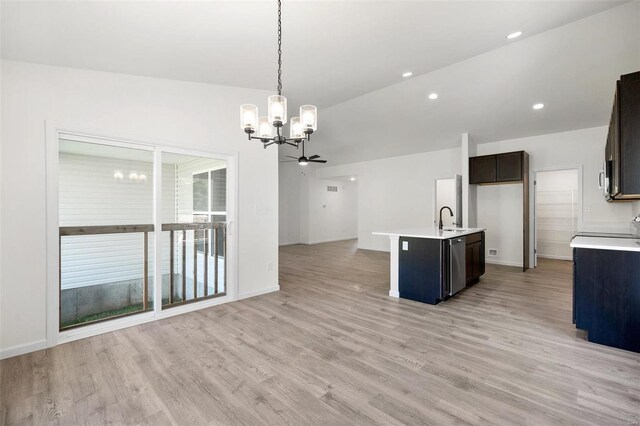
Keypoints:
pixel 300 128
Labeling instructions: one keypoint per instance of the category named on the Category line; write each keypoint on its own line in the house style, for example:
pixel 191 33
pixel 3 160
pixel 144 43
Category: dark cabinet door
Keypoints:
pixel 420 269
pixel 469 263
pixel 482 169
pixel 607 296
pixel 509 167
pixel 474 257
pixel 476 260
pixel 628 112
pixel 612 149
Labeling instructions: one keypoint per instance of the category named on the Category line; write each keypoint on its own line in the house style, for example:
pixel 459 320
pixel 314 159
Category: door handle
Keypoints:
pixel 600 176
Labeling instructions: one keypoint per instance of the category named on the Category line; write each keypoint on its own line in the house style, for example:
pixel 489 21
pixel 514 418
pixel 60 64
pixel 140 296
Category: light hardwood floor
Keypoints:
pixel 332 348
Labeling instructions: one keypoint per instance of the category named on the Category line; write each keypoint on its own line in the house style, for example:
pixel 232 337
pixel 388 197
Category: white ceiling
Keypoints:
pixel 571 69
pixel 347 57
pixel 333 51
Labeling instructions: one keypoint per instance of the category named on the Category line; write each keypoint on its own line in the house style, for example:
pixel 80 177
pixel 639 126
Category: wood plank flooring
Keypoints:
pixel 332 348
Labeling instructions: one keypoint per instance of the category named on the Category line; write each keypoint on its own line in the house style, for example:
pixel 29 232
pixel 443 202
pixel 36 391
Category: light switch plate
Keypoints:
pixel 405 245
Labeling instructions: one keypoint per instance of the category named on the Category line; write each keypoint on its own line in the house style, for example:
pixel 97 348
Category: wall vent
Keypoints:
pixel 493 252
pixel 332 188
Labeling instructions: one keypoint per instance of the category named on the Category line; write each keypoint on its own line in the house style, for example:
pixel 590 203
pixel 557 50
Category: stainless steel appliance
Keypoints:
pixel 457 265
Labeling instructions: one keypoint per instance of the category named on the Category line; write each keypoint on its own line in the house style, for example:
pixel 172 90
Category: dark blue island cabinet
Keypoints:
pixel 421 269
pixel 606 296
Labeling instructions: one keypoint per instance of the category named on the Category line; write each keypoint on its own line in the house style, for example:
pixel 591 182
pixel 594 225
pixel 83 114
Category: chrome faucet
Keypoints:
pixel 450 212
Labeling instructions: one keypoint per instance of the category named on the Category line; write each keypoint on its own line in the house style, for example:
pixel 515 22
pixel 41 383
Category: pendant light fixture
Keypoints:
pixel 300 128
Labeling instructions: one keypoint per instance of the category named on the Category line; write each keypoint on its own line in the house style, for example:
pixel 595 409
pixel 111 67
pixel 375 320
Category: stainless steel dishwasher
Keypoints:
pixel 457 265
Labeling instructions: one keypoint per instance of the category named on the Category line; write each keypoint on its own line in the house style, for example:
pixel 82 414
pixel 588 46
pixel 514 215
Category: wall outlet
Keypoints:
pixel 493 252
pixel 405 245
pixel 270 266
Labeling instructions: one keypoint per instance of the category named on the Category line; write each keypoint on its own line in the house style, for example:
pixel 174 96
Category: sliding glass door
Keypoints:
pixel 108 212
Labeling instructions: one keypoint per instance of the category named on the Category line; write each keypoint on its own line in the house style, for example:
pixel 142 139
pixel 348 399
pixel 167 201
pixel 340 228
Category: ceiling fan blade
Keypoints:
pixel 313 157
pixel 289 156
pixel 288 161
pixel 318 161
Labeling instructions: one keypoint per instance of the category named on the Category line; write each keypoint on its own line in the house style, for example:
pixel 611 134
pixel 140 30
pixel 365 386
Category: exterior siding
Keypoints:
pixel 89 195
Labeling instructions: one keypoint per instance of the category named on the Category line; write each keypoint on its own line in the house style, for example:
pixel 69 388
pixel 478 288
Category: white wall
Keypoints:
pixel 582 149
pixel 188 115
pixel 309 214
pixel 332 216
pixel 289 183
pixel 1 179
pixel 499 209
pixel 396 192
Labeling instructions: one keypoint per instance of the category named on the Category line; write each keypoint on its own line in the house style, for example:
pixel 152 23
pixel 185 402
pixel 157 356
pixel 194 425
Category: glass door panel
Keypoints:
pixel 193 244
pixel 106 232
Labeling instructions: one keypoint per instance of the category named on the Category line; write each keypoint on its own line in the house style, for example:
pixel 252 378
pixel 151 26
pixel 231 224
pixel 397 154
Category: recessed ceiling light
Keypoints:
pixel 514 35
pixel 538 106
pixel 433 96
pixel 352 178
pixel 407 74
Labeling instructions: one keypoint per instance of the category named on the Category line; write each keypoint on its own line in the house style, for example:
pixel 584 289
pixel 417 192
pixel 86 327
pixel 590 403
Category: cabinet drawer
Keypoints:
pixel 473 238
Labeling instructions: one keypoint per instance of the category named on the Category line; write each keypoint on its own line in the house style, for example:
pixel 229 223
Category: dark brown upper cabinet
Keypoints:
pixel 622 151
pixel 482 169
pixel 497 168
pixel 509 166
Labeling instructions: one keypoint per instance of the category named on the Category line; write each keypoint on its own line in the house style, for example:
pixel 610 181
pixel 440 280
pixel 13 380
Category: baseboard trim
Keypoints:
pixel 23 349
pixel 502 262
pixel 395 294
pixel 550 256
pixel 289 243
pixel 260 292
pixel 331 240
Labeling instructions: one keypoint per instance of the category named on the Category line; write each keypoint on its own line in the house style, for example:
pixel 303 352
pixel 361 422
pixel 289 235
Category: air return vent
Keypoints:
pixel 332 188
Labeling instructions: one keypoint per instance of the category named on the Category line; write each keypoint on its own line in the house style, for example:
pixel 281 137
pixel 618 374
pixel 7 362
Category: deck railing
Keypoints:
pixel 210 231
pixel 67 231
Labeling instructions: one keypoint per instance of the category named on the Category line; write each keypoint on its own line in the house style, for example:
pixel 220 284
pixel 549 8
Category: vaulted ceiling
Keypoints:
pixel 347 57
pixel 333 50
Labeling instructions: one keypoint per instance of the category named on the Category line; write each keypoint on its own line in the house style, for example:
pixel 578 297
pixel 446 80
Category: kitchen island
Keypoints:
pixel 430 264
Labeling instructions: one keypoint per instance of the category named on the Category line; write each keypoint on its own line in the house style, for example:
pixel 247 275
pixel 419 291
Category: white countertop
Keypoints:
pixel 430 232
pixel 600 243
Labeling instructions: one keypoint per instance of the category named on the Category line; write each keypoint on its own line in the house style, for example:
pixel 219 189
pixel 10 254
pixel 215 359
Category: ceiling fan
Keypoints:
pixel 303 161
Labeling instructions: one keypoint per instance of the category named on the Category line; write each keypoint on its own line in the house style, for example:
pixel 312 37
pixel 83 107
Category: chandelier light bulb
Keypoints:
pixel 265 130
pixel 295 128
pixel 142 177
pixel 118 175
pixel 277 110
pixel 309 117
pixel 133 176
pixel 248 117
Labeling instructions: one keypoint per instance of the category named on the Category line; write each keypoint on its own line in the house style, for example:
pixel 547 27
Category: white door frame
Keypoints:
pixel 53 133
pixel 579 170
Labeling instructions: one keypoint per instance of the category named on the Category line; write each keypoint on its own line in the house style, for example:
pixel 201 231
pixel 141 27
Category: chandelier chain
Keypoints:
pixel 279 47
